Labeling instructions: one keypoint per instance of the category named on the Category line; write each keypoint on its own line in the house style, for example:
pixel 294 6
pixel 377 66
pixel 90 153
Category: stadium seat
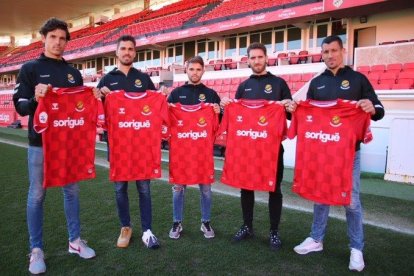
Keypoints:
pixel 382 86
pixel 272 61
pixel 379 68
pixel 364 69
pixel 316 58
pixel 374 77
pixel 285 77
pixel 394 67
pixel 402 85
pixel 388 77
pixel 409 66
pixel 295 77
pixel 303 56
pixel 293 58
pixel 307 77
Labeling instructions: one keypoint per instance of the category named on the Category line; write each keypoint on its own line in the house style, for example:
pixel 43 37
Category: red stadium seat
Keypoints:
pixel 316 58
pixel 394 67
pixel 307 77
pixel 380 68
pixel 409 66
pixel 303 56
pixel 272 61
pixel 388 77
pixel 402 85
pixel 295 77
pixel 382 86
pixel 373 77
pixel 364 69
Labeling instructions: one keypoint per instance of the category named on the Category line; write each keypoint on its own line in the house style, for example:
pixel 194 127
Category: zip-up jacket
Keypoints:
pixel 190 94
pixel 134 81
pixel 57 73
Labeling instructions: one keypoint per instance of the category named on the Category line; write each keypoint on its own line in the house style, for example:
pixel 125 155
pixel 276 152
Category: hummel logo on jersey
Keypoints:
pixel 320 87
pixel 44 76
pixel 179 122
pixel 324 137
pixel 70 123
pixel 55 106
pixel 113 83
pixel 121 110
pixel 252 133
pixel 182 97
pixel 192 135
pixel 248 89
pixel 135 124
pixel 309 118
pixel 239 119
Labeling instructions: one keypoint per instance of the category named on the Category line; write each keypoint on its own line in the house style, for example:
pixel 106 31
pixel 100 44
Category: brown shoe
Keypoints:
pixel 124 237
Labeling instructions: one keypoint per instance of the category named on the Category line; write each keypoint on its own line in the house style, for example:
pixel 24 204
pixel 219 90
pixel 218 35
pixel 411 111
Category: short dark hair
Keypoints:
pixel 53 24
pixel 125 38
pixel 332 38
pixel 256 45
pixel 196 59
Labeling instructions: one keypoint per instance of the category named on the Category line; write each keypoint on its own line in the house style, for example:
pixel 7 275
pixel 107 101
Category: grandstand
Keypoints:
pixel 221 30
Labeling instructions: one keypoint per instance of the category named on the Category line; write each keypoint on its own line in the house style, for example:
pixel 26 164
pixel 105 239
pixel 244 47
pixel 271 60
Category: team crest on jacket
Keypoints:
pixel 71 79
pixel 262 121
pixel 268 88
pixel 202 122
pixel 345 85
pixel 146 110
pixel 138 83
pixel 202 98
pixel 79 106
pixel 336 121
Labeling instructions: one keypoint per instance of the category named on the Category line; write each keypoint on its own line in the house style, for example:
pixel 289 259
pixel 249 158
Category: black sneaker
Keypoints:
pixel 274 240
pixel 244 233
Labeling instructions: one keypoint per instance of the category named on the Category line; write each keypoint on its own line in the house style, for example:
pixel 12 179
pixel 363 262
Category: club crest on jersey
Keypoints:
pixel 268 88
pixel 43 117
pixel 309 118
pixel 336 121
pixel 239 119
pixel 79 106
pixel 345 85
pixel 180 123
pixel 146 110
pixel 121 110
pixel 55 106
pixel 202 122
pixel 138 83
pixel 262 121
pixel 202 98
pixel 71 79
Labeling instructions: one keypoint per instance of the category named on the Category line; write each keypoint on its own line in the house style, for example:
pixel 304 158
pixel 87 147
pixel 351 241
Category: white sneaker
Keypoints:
pixel 79 247
pixel 356 260
pixel 150 240
pixel 307 246
pixel 37 261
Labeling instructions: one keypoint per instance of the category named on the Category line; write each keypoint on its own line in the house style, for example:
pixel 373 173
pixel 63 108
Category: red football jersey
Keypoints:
pixel 67 119
pixel 192 130
pixel 255 129
pixel 327 134
pixel 133 121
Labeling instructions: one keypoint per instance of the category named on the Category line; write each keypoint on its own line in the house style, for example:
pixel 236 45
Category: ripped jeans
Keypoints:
pixel 178 201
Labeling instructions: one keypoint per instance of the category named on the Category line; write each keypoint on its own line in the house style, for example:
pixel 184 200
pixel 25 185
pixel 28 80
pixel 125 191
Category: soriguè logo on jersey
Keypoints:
pixel 71 79
pixel 202 98
pixel 323 137
pixel 137 125
pixel 202 122
pixel 262 121
pixel 146 110
pixel 268 88
pixel 80 106
pixel 192 135
pixel 253 134
pixel 335 121
pixel 138 83
pixel 345 85
pixel 69 122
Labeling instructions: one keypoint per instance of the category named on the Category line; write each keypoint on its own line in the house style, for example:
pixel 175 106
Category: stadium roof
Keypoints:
pixel 22 17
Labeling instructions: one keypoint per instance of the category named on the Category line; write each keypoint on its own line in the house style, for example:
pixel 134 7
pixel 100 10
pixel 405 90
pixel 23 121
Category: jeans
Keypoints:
pixel 354 214
pixel 122 202
pixel 178 201
pixel 36 197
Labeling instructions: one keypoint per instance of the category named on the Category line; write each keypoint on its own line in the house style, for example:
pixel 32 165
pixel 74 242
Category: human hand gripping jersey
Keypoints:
pixel 327 133
pixel 67 119
pixel 255 129
pixel 192 132
pixel 133 121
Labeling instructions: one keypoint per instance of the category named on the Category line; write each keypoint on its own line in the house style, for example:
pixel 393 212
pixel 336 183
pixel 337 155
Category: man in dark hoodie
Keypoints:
pixel 126 77
pixel 35 79
pixel 191 93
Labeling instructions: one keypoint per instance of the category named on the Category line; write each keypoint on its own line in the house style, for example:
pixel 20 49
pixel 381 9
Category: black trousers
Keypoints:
pixel 275 199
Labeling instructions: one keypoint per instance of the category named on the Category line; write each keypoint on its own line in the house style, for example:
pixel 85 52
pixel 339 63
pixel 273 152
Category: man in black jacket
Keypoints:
pixel 35 80
pixel 341 82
